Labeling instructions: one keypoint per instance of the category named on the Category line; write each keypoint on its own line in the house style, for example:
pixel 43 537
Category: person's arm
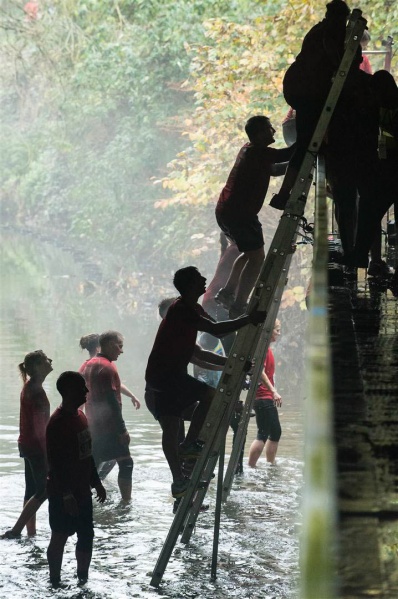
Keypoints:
pixel 219 329
pixel 109 395
pixel 207 359
pixel 281 154
pixel 95 483
pixel 267 383
pixel 278 169
pixel 58 458
pixel 126 391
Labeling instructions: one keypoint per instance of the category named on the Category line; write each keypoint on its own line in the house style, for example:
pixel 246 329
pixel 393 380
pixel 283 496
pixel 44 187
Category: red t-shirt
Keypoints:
pixel 174 343
pixel 247 185
pixel 269 368
pixel 104 403
pixel 365 65
pixel 71 465
pixel 33 418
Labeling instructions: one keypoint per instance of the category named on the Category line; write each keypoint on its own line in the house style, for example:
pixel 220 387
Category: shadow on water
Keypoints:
pixel 258 554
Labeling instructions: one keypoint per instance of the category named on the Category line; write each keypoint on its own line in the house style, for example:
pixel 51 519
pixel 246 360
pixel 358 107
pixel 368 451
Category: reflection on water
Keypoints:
pixel 258 542
pixel 258 555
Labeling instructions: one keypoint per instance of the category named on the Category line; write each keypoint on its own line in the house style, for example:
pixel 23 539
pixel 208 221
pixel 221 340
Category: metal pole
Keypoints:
pixel 217 515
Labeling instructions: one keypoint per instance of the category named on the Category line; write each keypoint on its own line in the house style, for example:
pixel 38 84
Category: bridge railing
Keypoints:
pixel 318 542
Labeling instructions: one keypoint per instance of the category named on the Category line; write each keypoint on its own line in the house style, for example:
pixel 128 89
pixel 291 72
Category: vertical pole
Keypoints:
pixel 217 515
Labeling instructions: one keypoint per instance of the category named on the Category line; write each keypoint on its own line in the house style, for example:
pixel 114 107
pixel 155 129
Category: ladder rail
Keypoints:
pixel 259 364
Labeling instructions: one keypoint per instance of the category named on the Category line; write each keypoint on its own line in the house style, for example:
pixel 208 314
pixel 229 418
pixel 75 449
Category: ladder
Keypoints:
pixel 247 339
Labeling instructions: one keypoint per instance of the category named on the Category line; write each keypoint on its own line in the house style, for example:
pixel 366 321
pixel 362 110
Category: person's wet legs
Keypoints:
pixel 55 553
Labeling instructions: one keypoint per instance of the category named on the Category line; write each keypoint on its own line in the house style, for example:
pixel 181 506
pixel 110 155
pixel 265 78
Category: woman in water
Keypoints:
pixel 34 416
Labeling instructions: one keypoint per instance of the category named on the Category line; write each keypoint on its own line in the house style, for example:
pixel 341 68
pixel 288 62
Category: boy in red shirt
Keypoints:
pixel 72 475
pixel 171 390
pixel 239 204
pixel 265 405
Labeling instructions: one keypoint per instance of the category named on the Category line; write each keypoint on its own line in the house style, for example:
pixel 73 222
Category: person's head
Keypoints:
pixel 90 343
pixel 385 88
pixel 260 131
pixel 35 365
pixel 337 10
pixel 189 280
pixel 365 39
pixel 164 305
pixel 72 387
pixel 111 344
pixel 276 331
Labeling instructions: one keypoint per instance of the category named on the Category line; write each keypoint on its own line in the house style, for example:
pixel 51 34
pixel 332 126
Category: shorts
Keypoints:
pixel 267 418
pixel 174 396
pixel 247 234
pixel 63 523
pixel 35 476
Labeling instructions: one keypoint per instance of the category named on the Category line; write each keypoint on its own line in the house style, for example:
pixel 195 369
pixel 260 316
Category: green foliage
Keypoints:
pixel 97 96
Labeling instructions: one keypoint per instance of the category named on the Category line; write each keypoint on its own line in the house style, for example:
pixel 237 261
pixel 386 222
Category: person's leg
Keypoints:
pixel 55 553
pixel 105 468
pixel 271 447
pixel 125 475
pixel 308 111
pixel 255 452
pixel 249 274
pixel 170 443
pixel 85 536
pixel 232 283
pixel 258 444
pixel 35 495
pixel 198 417
pixel 275 432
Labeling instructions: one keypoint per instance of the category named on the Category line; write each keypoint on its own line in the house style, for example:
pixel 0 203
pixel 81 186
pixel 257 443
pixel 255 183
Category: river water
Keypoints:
pixel 50 296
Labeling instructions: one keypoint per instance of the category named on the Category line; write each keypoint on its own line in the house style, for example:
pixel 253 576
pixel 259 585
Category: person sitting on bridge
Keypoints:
pixel 239 204
pixel 171 388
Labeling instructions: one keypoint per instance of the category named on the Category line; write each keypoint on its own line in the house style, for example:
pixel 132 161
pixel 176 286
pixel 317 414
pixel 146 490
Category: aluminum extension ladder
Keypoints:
pixel 267 288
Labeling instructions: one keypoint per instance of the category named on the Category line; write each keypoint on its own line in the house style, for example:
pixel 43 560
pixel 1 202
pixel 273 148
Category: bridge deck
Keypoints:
pixel 364 340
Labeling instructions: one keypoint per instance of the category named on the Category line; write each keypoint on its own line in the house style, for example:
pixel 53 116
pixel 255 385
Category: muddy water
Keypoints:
pixel 49 299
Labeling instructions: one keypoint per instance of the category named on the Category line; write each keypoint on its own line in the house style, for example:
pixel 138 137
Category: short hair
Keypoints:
pixel 184 277
pixel 337 9
pixel 68 380
pixel 108 336
pixel 89 342
pixel 164 305
pixel 255 124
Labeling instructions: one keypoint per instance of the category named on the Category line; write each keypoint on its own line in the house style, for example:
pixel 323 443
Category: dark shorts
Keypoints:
pixel 247 234
pixel 174 396
pixel 108 447
pixel 35 476
pixel 267 418
pixel 63 523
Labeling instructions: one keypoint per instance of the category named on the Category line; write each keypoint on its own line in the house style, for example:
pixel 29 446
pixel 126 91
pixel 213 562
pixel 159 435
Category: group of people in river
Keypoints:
pixel 71 452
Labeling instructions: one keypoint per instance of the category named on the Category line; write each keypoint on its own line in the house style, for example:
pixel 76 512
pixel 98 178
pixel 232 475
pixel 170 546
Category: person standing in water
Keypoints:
pixel 266 407
pixel 34 416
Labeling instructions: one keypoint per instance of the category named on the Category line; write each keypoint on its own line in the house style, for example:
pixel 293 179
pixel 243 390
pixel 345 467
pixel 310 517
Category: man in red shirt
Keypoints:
pixel 265 405
pixel 104 410
pixel 172 391
pixel 72 474
pixel 239 204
